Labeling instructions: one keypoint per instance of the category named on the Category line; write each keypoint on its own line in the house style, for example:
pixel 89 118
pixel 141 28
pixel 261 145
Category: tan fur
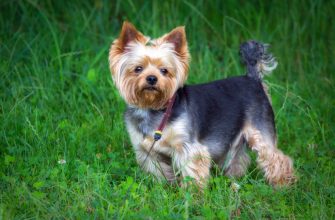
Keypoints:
pixel 277 167
pixel 132 49
pixel 178 38
pixel 267 92
pixel 239 164
pixel 187 159
pixel 237 160
pixel 128 34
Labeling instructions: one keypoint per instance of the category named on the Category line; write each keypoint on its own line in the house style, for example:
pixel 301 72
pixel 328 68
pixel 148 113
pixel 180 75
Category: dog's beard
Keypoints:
pixel 151 97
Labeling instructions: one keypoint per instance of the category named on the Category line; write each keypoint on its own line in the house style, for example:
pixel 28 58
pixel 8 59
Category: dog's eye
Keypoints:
pixel 138 69
pixel 164 71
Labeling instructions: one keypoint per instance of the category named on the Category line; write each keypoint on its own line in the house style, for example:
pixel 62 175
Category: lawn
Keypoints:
pixel 64 150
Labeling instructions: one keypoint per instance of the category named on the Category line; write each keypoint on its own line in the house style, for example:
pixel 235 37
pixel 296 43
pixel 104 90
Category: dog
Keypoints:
pixel 198 125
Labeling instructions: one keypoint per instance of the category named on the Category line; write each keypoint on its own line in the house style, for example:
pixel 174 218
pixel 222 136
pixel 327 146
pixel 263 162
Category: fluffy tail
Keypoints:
pixel 259 63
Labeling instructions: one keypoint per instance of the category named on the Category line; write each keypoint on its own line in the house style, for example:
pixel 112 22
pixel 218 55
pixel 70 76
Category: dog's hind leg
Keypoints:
pixel 236 162
pixel 278 167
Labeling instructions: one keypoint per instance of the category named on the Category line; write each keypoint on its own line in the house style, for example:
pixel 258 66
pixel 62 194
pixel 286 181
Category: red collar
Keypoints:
pixel 167 113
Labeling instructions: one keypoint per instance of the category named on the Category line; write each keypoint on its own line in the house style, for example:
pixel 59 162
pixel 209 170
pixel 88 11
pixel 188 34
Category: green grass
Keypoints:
pixel 57 101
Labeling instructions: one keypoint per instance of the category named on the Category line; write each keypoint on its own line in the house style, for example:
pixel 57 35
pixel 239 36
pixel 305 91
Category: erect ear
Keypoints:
pixel 178 38
pixel 129 34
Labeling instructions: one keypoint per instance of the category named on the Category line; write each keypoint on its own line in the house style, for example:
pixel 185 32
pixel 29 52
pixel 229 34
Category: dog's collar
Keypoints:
pixel 167 114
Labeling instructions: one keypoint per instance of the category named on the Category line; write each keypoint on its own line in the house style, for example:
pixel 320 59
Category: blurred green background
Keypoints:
pixel 64 151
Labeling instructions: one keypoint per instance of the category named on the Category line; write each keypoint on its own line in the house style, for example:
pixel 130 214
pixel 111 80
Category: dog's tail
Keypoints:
pixel 258 61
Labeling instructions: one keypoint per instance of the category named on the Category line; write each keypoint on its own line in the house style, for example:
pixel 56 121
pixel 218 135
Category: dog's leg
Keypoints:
pixel 237 160
pixel 160 169
pixel 278 167
pixel 193 161
pixel 239 163
pixel 157 163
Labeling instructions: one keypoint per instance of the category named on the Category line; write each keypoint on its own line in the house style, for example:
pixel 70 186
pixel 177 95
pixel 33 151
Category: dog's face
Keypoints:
pixel 148 72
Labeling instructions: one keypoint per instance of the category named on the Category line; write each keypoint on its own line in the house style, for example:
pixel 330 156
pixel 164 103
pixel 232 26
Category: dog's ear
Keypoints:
pixel 128 34
pixel 178 38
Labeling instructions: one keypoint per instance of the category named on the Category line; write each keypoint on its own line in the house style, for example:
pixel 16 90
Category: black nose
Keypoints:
pixel 152 80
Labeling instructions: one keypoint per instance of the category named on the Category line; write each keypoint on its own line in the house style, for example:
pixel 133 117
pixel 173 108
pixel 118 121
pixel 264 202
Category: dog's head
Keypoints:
pixel 148 72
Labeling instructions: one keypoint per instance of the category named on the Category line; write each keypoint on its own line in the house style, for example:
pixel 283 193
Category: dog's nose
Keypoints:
pixel 152 80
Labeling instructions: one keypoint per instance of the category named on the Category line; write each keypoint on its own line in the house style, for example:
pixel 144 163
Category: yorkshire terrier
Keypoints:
pixel 198 125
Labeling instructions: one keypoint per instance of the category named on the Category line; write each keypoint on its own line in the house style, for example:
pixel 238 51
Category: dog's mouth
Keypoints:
pixel 150 89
